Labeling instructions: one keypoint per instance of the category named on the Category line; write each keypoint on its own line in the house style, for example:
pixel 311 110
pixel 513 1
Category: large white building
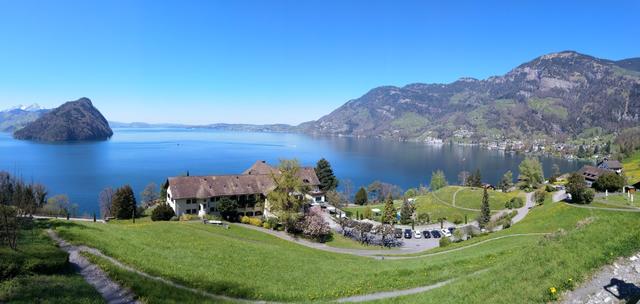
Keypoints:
pixel 200 194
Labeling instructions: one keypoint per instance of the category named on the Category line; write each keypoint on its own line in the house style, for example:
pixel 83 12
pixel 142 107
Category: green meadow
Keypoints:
pixel 250 264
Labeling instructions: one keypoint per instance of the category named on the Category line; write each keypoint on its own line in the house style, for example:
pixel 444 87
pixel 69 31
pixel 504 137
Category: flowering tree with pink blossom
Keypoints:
pixel 314 225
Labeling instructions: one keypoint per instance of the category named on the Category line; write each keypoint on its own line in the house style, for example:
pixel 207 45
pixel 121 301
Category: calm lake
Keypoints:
pixel 140 156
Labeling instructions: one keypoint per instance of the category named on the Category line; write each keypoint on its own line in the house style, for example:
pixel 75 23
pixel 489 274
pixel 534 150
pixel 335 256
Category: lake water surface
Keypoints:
pixel 140 156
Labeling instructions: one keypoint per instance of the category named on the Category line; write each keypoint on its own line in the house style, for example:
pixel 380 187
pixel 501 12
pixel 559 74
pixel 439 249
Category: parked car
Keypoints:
pixel 417 235
pixel 451 229
pixel 445 232
pixel 436 234
pixel 407 233
pixel 426 234
pixel 397 233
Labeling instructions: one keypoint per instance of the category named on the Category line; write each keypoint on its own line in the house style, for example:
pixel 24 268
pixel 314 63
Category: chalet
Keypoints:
pixel 200 194
pixel 591 174
pixel 612 165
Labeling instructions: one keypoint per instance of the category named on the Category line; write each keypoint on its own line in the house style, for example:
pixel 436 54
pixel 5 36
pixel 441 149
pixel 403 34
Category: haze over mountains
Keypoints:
pixel 558 95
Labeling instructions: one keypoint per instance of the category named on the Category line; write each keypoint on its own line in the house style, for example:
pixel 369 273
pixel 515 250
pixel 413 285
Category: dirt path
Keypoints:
pixel 114 293
pixel 404 292
pixel 111 291
pixel 602 208
pixel 617 283
pixel 118 294
pixel 453 201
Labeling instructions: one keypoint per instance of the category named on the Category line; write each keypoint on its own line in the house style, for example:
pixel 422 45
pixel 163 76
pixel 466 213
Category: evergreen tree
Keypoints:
pixel 438 180
pixel 328 180
pixel 389 212
pixel 596 150
pixel 124 203
pixel 485 211
pixel 582 152
pixel 475 179
pixel 405 213
pixel 607 148
pixel 361 197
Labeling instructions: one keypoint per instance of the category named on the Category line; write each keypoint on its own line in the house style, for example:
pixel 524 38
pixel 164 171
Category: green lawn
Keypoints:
pixel 352 211
pixel 617 200
pixel 544 262
pixel 38 272
pixel 250 264
pixel 472 198
pixel 430 205
pixel 631 168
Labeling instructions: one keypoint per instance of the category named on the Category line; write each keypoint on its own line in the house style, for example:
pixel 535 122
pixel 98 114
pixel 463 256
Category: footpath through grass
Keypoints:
pixel 589 239
pixel 249 264
pixel 38 272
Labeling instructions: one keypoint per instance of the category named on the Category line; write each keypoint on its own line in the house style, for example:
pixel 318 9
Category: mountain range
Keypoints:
pixel 558 95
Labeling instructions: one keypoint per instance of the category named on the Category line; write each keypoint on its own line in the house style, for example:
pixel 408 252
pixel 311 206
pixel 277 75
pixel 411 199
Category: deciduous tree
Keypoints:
pixel 105 200
pixel 286 200
pixel 531 172
pixel 579 192
pixel 609 181
pixel 438 180
pixel 506 182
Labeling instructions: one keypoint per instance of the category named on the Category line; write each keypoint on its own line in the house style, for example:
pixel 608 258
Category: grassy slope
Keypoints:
pixel 435 209
pixel 472 198
pixel 549 262
pixel 246 263
pixel 44 276
pixel 631 167
pixel 521 268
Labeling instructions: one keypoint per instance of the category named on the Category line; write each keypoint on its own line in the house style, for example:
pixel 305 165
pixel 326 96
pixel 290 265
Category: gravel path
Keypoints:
pixel 111 291
pixel 617 283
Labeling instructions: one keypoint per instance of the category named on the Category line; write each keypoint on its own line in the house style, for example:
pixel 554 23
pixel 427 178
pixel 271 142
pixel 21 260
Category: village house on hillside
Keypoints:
pixel 613 165
pixel 200 194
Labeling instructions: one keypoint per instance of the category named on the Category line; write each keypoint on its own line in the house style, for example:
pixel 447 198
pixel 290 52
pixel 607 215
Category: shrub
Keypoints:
pixel 266 225
pixel 549 188
pixel 245 219
pixel 539 196
pixel 162 212
pixel 445 241
pixel 609 181
pixel 255 221
pixel 457 219
pixel 186 217
pixel 273 223
pixel 514 203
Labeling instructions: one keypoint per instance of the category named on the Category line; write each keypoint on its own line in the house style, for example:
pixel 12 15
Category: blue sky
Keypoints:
pixel 279 61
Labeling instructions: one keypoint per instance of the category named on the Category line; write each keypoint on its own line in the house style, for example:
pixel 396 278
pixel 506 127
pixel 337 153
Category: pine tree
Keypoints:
pixel 124 203
pixel 328 180
pixel 485 211
pixel 361 197
pixel 405 213
pixel 389 212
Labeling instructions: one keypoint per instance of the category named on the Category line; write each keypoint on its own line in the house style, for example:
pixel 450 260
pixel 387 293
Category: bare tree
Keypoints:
pixel 105 200
pixel 40 193
pixel 347 188
pixel 463 177
pixel 149 194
